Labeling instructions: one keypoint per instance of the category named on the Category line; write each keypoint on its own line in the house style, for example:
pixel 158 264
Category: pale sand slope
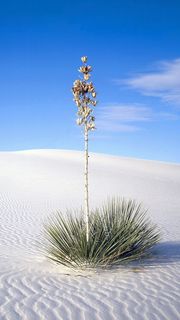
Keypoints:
pixel 35 183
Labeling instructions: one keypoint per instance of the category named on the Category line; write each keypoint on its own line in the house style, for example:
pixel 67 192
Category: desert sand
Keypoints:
pixel 36 183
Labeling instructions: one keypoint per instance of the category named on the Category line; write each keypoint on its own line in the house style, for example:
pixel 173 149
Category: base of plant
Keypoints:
pixel 119 232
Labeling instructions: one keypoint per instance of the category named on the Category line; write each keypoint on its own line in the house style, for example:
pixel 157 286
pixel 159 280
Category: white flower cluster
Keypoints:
pixel 84 94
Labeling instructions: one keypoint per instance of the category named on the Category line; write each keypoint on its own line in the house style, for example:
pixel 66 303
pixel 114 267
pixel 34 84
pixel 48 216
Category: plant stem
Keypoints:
pixel 86 194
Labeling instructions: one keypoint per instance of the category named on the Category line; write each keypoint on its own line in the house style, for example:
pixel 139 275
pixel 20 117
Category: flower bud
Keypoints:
pixel 94 103
pixel 91 126
pixel 86 76
pixel 84 59
pixel 94 94
pixel 79 121
pixel 78 102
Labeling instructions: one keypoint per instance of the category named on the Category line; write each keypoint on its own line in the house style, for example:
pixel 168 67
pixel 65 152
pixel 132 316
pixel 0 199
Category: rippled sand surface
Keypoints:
pixel 36 183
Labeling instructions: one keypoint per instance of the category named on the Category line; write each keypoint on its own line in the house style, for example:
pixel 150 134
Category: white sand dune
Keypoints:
pixel 34 184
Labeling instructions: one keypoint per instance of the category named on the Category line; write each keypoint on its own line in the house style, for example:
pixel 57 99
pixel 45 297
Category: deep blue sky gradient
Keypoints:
pixel 41 45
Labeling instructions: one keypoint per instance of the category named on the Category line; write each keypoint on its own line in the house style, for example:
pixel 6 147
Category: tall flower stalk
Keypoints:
pixel 84 96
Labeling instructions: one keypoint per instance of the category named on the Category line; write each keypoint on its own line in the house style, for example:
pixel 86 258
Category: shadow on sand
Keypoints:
pixel 164 253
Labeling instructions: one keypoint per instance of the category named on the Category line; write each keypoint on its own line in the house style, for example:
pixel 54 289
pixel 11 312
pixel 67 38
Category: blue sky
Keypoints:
pixel 134 49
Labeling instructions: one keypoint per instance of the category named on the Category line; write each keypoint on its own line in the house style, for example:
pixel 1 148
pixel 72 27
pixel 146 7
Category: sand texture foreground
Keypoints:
pixel 36 183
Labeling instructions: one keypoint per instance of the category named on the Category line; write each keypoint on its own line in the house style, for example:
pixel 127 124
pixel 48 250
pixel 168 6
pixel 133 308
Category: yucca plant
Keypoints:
pixel 118 232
